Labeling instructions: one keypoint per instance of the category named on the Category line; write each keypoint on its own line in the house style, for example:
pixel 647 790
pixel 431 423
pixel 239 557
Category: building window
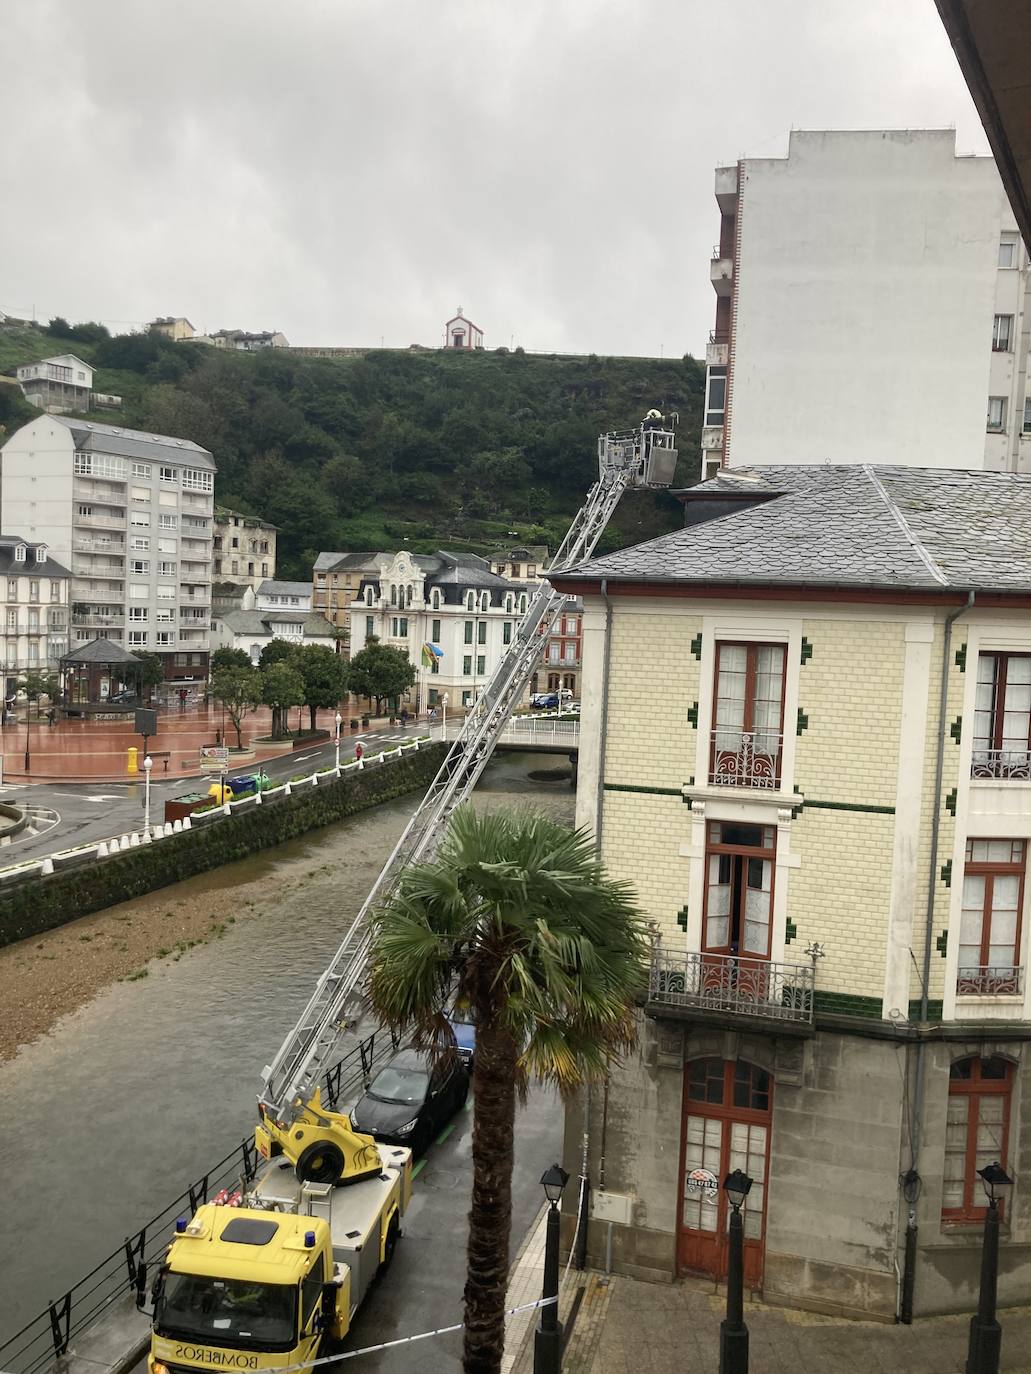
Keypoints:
pixel 468 632
pixel 12 589
pixel 400 627
pixel 485 601
pixel 138 612
pixel 34 589
pixel 715 395
pixel 370 626
pixel 976 1133
pixel 139 543
pixel 569 681
pixel 164 639
pixel 1002 717
pixel 1002 334
pixel 19 554
pixel 553 682
pixel 467 665
pixel 481 665
pixel 141 470
pixel 506 632
pixel 139 567
pixel 435 598
pixel 509 603
pixel 481 632
pixel 1027 415
pixel 522 604
pixel 166 569
pixel 554 651
pixel 41 553
pixel 166 474
pixel 569 653
pixel 470 601
pixel 140 519
pixel 137 638
pixel 368 596
pixel 435 632
pixel 393 594
pixel 989 932
pixel 434 664
pixel 33 650
pixel 12 619
pixel 55 589
pixel 1008 250
pixel 739 890
pixel 748 715
pixel 167 522
pixel 86 511
pixel 264 570
pixel 996 414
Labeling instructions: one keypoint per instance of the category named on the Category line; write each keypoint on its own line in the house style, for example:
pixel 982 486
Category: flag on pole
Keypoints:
pixel 429 653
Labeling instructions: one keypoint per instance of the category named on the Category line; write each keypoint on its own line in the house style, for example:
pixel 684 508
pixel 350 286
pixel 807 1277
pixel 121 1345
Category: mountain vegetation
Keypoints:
pixel 424 448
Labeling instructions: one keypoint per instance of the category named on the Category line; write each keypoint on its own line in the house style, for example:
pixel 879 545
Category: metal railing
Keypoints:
pixel 1001 763
pixel 46 1338
pixel 745 758
pixel 114 517
pixel 729 983
pixel 987 981
pixel 719 336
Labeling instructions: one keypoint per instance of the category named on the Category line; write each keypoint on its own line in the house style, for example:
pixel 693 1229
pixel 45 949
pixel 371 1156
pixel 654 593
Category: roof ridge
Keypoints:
pixel 903 524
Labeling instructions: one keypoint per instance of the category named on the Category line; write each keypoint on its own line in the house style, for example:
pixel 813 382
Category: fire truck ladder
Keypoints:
pixel 642 457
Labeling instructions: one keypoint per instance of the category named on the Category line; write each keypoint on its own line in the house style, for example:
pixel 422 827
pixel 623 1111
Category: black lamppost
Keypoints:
pixel 733 1331
pixel 547 1340
pixel 985 1332
pixel 911 1184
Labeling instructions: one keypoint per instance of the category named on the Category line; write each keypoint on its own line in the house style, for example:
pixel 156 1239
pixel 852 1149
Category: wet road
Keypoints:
pixel 142 1089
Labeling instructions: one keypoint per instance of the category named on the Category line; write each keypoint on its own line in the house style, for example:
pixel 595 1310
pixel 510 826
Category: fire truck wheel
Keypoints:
pixel 390 1244
pixel 322 1162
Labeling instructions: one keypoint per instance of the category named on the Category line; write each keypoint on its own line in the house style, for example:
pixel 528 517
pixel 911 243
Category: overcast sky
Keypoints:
pixel 351 171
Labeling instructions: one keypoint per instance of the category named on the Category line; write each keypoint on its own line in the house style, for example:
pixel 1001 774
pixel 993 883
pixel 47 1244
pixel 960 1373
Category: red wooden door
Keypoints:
pixel 727 1112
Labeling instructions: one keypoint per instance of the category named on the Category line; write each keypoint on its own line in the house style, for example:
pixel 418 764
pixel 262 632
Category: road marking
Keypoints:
pixel 103 797
pixel 445 1133
pixel 419 1168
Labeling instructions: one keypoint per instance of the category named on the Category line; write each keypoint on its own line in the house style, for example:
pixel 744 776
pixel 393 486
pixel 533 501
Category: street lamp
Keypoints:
pixel 443 717
pixel 985 1332
pixel 911 1184
pixel 547 1339
pixel 733 1331
pixel 338 721
pixel 148 764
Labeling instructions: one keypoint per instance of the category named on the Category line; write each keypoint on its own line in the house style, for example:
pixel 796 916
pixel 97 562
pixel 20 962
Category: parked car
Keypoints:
pixel 465 1036
pixel 123 698
pixel 544 701
pixel 409 1100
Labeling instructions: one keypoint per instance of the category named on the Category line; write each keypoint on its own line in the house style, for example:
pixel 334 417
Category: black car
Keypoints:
pixel 409 1100
pixel 122 698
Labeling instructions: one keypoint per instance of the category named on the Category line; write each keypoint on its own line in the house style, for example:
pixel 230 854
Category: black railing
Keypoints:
pixel 48 1336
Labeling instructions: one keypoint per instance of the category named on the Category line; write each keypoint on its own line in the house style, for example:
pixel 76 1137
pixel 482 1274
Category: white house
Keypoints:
pixel 250 627
pixel 274 595
pixel 871 293
pixel 57 384
pixel 34 610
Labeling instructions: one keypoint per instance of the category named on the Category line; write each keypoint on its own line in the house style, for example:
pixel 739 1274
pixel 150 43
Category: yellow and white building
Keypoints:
pixel 821 792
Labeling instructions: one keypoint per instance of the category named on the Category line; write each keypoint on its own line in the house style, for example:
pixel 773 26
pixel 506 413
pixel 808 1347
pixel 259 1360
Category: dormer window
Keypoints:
pixel 509 603
pixel 435 598
pixel 19 553
pixel 368 596
pixel 470 601
pixel 485 601
pixel 41 553
pixel 522 604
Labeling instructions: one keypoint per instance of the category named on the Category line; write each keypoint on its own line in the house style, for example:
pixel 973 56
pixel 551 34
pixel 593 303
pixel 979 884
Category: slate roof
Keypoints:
pixel 881 527
pixel 272 587
pixel 338 562
pixel 30 568
pixel 134 443
pixel 260 622
pixel 100 651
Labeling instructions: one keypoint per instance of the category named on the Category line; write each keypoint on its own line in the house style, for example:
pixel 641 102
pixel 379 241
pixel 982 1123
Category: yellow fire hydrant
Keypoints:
pixel 132 766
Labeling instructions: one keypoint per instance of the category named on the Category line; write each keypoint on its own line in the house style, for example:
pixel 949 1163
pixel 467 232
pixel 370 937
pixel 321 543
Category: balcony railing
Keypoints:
pixel 1001 763
pixel 990 982
pixel 102 518
pixel 745 758
pixel 719 336
pixel 727 983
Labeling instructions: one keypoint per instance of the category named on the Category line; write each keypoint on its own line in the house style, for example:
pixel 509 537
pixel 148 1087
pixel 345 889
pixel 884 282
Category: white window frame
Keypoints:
pixel 1002 334
pixel 997 426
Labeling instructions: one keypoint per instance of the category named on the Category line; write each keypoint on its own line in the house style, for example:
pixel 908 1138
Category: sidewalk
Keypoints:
pixel 624 1326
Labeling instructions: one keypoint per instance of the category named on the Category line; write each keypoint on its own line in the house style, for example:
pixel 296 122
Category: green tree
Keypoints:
pixel 517 918
pixel 277 651
pixel 324 674
pixel 239 690
pixel 380 671
pixel 149 674
pixel 35 685
pixel 230 658
pixel 281 687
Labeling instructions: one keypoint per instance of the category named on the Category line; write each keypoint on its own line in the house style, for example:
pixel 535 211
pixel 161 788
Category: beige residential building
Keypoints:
pixel 174 327
pixel 820 791
pixel 34 612
pixel 244 549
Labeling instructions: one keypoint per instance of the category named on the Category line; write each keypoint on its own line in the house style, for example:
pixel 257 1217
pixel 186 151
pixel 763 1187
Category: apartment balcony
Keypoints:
pixel 96 591
pixel 195 598
pixel 193 501
pixel 97 622
pixel 717 351
pixel 721 273
pixel 99 544
pixel 726 190
pixel 744 758
pixel 110 519
pixel 990 982
pixel 1000 764
pixel 725 985
pixel 104 495
pixel 712 438
pixel 88 567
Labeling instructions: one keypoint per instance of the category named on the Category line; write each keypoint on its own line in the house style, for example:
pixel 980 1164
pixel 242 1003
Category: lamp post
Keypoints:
pixel 733 1331
pixel 985 1332
pixel 148 764
pixel 338 721
pixel 443 717
pixel 547 1339
pixel 911 1184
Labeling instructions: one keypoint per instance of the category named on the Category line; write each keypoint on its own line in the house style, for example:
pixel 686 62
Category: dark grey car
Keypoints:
pixel 409 1100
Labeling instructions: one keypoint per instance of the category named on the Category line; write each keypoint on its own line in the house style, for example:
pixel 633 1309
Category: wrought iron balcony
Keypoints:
pixel 1001 763
pixel 730 984
pixel 745 758
pixel 990 982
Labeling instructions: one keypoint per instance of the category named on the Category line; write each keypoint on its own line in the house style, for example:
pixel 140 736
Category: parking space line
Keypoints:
pixel 445 1133
pixel 419 1168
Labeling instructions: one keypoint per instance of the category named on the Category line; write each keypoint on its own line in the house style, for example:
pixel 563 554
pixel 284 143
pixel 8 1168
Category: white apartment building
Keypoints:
pixel 452 616
pixel 871 307
pixel 131 514
pixel 34 610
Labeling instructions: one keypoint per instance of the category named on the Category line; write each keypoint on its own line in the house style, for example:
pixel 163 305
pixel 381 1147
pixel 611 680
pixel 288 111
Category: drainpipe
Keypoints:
pixel 910 1182
pixel 599 806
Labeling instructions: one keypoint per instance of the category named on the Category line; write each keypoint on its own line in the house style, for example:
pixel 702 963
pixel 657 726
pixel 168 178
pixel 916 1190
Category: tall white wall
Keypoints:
pixel 865 292
pixel 36 486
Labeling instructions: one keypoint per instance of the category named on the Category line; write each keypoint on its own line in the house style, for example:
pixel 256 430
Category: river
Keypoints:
pixel 133 1096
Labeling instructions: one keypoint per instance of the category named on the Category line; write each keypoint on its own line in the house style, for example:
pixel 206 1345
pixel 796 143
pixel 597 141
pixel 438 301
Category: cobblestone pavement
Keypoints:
pixel 624 1326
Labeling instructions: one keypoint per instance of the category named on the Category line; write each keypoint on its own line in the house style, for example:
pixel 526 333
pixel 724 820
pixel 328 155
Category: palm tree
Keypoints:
pixel 517 919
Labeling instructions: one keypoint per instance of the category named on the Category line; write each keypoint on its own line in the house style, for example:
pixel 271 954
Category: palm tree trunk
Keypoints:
pixel 490 1218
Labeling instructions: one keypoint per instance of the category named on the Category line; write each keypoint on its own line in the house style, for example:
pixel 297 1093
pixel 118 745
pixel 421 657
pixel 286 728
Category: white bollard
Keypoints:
pixel 226 810
pixel 123 843
pixel 159 831
pixel 146 838
pixel 287 790
pixel 46 868
pixel 361 762
pixel 382 756
pixel 134 840
pixel 101 850
pixel 168 827
pixel 177 827
pixel 257 799
pixel 314 779
pixel 187 823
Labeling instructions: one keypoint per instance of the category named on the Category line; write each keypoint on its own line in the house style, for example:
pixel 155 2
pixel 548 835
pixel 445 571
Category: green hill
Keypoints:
pixel 472 451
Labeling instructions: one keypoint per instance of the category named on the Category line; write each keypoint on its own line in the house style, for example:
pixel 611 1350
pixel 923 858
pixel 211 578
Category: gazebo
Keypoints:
pixel 93 672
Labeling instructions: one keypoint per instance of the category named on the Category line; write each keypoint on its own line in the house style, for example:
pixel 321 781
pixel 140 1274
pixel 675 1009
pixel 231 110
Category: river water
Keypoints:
pixel 136 1094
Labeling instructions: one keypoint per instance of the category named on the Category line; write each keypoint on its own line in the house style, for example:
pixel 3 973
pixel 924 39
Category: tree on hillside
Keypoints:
pixel 281 687
pixel 380 672
pixel 239 690
pixel 517 918
pixel 230 658
pixel 324 674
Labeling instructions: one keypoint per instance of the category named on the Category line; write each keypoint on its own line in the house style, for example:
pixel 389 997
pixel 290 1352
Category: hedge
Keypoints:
pixel 40 904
